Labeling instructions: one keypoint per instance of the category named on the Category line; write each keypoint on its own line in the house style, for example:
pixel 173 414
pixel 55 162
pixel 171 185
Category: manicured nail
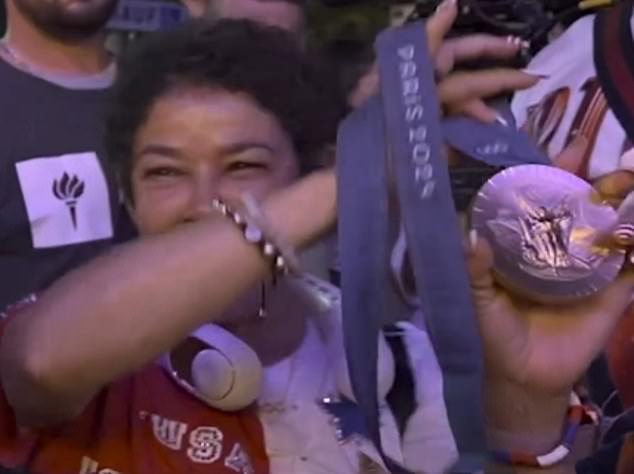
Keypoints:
pixel 578 136
pixel 624 234
pixel 501 120
pixel 514 40
pixel 446 4
pixel 580 139
pixel 541 75
pixel 627 160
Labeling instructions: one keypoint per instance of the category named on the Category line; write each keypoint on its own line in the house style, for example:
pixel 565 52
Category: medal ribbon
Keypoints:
pixel 400 130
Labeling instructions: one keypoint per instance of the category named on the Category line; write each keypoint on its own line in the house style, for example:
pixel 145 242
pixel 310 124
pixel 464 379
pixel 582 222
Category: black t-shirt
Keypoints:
pixel 59 204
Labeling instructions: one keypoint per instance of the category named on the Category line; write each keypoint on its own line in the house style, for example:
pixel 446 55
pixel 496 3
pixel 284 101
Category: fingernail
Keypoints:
pixel 514 40
pixel 580 139
pixel 627 160
pixel 624 234
pixel 501 120
pixel 473 239
pixel 446 4
pixel 535 73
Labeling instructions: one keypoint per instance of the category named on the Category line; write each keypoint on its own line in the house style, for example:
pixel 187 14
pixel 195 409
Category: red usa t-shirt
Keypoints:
pixel 142 424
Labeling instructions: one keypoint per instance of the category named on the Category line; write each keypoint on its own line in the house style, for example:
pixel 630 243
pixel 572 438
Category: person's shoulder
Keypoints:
pixel 10 74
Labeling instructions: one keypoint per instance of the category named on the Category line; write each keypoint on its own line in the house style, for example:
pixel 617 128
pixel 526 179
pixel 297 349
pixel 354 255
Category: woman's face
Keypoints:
pixel 202 144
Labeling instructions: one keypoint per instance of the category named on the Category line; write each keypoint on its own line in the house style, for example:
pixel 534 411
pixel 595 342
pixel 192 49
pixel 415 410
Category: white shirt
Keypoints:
pixel 300 435
pixel 570 99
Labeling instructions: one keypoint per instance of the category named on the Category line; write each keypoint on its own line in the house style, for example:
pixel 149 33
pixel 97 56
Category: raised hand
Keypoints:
pixel 464 92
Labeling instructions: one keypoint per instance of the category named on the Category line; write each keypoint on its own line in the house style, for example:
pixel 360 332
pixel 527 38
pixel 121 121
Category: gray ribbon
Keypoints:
pixel 364 253
pixel 432 230
pixel 494 144
pixel 404 124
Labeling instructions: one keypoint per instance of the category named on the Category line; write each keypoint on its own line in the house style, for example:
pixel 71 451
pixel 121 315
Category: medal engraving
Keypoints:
pixel 542 224
pixel 551 240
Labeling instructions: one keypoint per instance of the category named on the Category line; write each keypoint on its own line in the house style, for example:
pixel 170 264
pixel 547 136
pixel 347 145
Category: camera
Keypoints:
pixel 532 20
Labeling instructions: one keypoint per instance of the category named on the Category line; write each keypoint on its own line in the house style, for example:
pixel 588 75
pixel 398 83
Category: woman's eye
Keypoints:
pixel 245 166
pixel 161 172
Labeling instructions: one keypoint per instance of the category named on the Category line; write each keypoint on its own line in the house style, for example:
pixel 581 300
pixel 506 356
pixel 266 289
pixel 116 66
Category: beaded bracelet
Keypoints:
pixel 255 231
pixel 577 414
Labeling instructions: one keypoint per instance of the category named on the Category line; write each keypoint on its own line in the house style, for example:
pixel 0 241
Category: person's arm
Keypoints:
pixel 120 311
pixel 527 421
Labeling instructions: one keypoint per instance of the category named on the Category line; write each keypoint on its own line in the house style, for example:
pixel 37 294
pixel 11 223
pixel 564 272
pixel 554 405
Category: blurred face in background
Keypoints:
pixel 65 19
pixel 287 15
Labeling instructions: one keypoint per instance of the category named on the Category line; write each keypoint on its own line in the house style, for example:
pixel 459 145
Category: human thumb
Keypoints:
pixel 440 23
pixel 480 266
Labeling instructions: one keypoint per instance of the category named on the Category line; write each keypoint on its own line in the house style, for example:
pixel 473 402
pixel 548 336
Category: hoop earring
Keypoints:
pixel 262 310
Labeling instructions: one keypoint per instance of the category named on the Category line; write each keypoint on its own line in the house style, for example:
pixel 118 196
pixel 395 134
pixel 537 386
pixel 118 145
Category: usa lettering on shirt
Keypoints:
pixel 90 466
pixel 201 445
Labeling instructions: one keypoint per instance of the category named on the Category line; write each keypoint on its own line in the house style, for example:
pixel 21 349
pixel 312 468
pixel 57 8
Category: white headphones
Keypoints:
pixel 226 376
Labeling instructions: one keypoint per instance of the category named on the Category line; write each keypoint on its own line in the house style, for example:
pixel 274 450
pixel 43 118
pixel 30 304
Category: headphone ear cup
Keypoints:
pixel 229 380
pixel 386 372
pixel 227 375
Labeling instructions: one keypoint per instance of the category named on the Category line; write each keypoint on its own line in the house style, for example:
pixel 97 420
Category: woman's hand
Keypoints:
pixel 535 353
pixel 464 92
pixel 460 92
pixel 546 348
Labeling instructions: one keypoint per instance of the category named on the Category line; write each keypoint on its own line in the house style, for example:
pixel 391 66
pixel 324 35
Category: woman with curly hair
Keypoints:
pixel 137 362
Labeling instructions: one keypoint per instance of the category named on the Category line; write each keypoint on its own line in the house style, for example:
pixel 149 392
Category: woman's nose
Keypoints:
pixel 205 190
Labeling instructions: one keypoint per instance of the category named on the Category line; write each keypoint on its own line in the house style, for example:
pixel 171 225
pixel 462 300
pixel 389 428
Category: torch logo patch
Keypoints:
pixel 69 190
pixel 66 198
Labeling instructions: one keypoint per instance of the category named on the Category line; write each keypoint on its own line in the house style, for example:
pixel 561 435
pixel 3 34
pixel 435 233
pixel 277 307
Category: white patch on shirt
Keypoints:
pixel 66 198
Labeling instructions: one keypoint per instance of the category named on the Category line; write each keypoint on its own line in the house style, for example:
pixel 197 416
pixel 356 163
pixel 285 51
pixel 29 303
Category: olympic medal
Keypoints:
pixel 542 224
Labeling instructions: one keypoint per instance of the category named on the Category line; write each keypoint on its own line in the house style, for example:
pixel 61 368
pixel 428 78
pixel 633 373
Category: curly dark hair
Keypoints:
pixel 233 55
